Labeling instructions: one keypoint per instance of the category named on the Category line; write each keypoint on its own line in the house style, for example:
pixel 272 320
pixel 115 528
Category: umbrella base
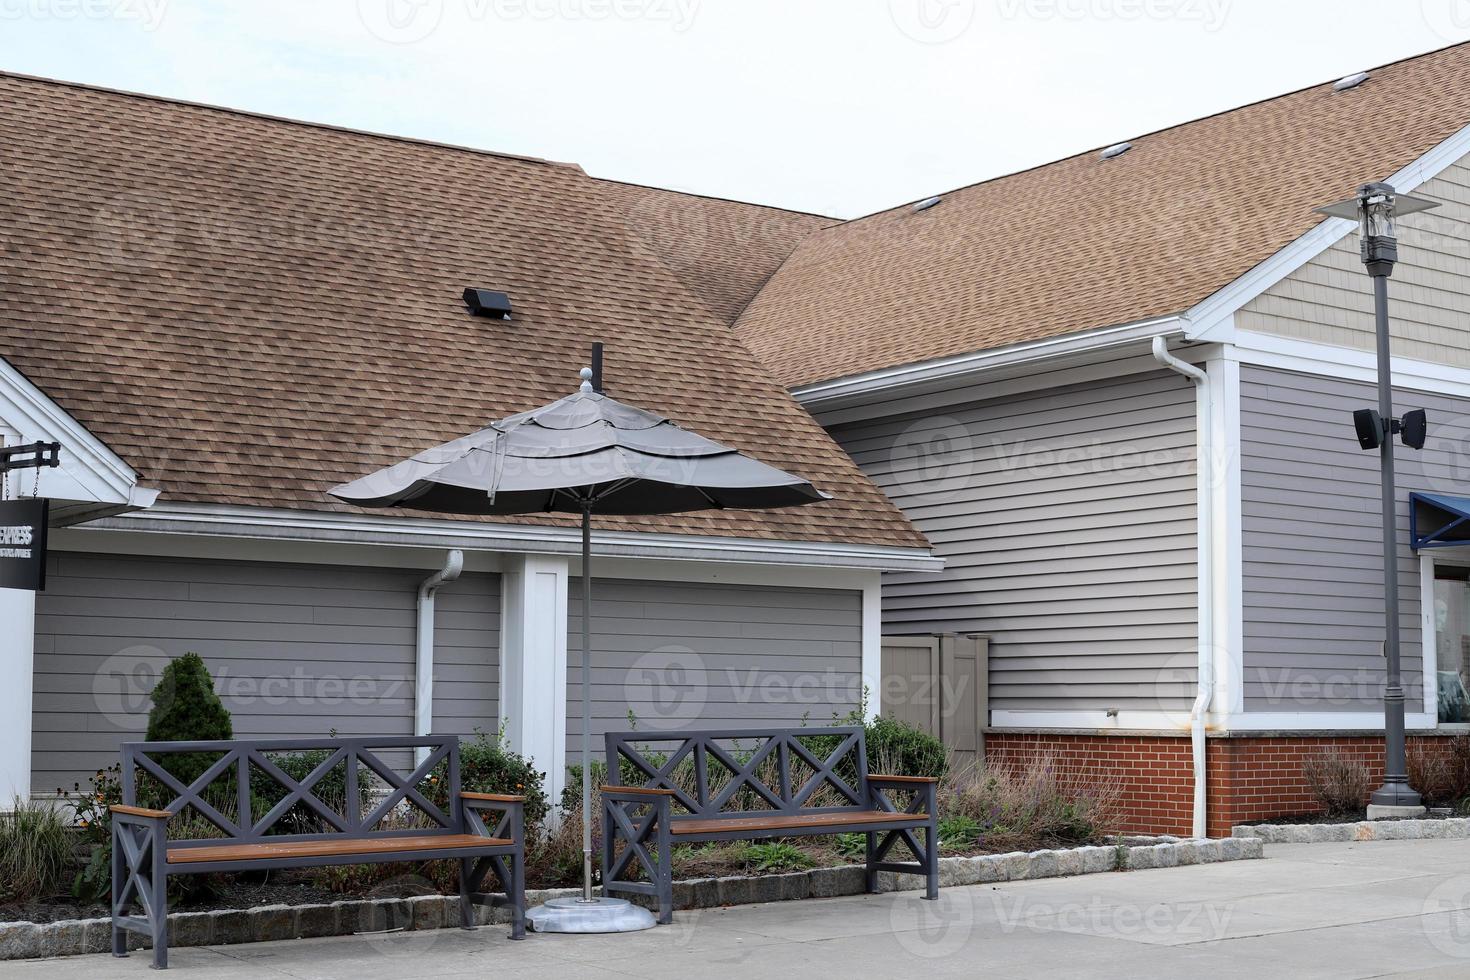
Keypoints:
pixel 598 915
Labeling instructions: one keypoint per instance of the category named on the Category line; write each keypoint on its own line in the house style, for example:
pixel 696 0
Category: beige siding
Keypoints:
pixel 1329 300
pixel 1066 518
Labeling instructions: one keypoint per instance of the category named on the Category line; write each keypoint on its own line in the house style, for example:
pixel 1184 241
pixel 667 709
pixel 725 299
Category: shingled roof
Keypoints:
pixel 1085 243
pixel 250 310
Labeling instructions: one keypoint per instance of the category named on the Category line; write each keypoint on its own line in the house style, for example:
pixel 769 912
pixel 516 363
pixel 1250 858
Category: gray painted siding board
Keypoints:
pixel 297 650
pixel 1312 564
pixel 1066 518
pixel 720 649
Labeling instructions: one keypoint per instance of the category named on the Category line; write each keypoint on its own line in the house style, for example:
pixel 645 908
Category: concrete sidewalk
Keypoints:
pixel 1381 908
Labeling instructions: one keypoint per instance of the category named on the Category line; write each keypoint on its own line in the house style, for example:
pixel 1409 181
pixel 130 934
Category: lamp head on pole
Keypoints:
pixel 1376 209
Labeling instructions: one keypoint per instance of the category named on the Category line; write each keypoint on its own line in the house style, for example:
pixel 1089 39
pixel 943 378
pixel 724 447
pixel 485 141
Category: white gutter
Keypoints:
pixel 423 679
pixel 1204 559
pixel 822 396
pixel 277 524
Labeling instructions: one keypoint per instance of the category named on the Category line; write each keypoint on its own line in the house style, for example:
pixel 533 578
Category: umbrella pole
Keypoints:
pixel 586 701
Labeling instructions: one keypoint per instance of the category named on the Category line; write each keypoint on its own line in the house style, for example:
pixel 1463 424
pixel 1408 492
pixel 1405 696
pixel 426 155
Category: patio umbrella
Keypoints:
pixel 582 454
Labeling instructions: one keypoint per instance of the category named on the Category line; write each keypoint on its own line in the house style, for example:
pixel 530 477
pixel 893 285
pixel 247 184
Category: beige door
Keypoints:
pixel 938 683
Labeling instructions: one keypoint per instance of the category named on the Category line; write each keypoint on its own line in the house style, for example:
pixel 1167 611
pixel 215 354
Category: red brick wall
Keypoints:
pixel 1250 777
pixel 1154 773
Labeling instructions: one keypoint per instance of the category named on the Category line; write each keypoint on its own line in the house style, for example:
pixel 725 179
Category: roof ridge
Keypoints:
pixel 288 120
pixel 718 197
pixel 1144 135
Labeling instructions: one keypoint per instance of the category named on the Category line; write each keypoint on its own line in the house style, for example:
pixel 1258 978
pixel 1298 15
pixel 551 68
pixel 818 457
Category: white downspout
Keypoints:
pixel 1204 558
pixel 423 677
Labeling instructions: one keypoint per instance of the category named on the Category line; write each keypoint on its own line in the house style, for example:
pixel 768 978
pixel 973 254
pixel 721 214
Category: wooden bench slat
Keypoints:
pixel 902 779
pixel 139 811
pixel 494 797
pixel 794 821
pixel 328 848
pixel 639 790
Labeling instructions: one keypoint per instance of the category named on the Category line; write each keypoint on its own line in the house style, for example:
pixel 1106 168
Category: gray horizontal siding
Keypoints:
pixel 1066 518
pixel 296 650
pixel 683 655
pixel 1313 571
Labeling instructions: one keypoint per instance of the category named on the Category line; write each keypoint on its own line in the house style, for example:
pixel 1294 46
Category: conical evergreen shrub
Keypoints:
pixel 186 709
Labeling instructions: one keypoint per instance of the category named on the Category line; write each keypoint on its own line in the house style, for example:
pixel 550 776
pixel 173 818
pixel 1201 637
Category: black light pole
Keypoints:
pixel 1375 209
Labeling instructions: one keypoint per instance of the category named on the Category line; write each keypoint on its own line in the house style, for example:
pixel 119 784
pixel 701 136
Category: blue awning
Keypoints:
pixel 1437 520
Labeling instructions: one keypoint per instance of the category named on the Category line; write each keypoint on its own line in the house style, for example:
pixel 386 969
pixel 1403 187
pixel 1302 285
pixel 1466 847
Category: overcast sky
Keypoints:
pixel 841 107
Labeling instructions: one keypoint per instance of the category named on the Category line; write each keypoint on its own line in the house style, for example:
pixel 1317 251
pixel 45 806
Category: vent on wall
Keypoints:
pixel 1352 81
pixel 486 302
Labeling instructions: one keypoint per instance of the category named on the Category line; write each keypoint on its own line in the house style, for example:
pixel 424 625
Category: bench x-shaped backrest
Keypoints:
pixel 690 754
pixel 347 754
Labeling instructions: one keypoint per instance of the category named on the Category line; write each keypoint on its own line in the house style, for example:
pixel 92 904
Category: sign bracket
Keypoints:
pixel 33 456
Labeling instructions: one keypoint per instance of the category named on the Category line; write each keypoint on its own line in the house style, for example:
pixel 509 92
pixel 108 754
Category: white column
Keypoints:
pixel 17 667
pixel 873 642
pixel 533 662
pixel 17 674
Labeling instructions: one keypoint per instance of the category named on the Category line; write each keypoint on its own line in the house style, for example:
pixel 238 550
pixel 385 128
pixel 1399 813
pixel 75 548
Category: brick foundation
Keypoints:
pixel 1251 777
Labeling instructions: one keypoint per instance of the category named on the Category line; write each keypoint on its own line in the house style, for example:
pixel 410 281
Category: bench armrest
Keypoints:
pixel 511 811
pixel 875 778
pixel 635 791
pixel 138 811
pixel 924 799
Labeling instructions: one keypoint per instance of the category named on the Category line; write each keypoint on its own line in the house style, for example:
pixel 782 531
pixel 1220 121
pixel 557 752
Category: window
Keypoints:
pixel 1452 641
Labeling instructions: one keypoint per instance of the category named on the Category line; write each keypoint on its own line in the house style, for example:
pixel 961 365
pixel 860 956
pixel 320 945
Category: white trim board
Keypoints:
pixel 276 524
pixel 1167 723
pixel 89 472
pixel 1347 363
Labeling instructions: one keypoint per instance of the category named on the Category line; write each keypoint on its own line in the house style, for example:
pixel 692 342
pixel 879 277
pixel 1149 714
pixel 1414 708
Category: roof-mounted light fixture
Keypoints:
pixel 487 302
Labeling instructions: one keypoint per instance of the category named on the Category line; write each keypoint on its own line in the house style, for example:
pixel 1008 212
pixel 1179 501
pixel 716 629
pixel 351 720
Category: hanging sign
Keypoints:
pixel 23 544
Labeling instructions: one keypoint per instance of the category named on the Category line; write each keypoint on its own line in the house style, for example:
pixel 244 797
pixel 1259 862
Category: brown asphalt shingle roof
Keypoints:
pixel 251 310
pixel 1085 243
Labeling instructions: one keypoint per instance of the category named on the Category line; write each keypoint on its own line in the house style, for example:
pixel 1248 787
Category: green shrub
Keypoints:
pixel 774 857
pixel 959 832
pixel 186 709
pixel 897 748
pixel 487 766
pixel 571 793
pixel 35 849
pixel 852 847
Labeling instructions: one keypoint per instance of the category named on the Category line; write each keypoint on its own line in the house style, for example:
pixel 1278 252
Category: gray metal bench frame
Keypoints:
pixel 140 844
pixel 642 817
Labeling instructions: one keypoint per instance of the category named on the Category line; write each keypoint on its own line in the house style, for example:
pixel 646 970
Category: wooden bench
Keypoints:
pixel 806 781
pixel 143 856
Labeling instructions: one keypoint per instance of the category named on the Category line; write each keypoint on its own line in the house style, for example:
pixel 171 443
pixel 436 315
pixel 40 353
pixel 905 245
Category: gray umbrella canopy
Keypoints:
pixel 583 449
pixel 584 454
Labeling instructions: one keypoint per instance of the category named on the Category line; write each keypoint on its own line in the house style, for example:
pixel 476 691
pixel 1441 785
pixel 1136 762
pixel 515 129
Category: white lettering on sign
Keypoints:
pixel 17 534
